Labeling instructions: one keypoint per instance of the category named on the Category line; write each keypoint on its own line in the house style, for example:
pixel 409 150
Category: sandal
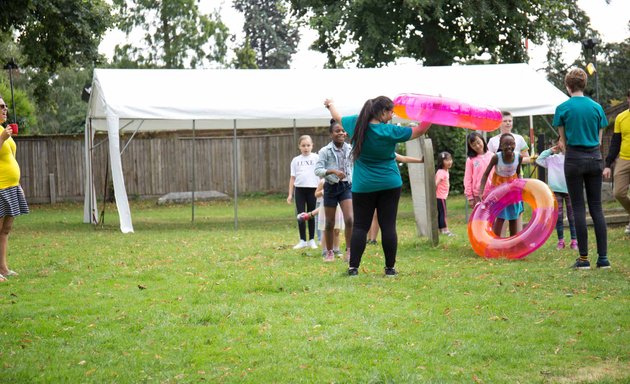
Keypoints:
pixel 3 279
pixel 11 273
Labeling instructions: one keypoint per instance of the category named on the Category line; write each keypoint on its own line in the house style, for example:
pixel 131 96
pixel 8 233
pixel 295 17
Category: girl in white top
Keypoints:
pixel 302 185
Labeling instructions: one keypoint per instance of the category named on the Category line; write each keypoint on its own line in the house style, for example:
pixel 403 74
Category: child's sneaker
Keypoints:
pixel 581 263
pixel 448 233
pixel 353 271
pixel 300 245
pixel 312 244
pixel 603 263
pixel 560 244
pixel 627 230
pixel 330 256
pixel 338 253
pixel 574 244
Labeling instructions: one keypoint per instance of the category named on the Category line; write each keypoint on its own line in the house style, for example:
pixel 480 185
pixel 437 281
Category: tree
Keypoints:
pixel 24 108
pixel 614 77
pixel 56 33
pixel 67 113
pixel 176 35
pixel 272 34
pixel 47 35
pixel 245 57
pixel 437 32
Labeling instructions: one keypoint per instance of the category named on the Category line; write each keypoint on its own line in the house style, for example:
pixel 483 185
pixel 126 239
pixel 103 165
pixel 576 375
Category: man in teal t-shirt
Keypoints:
pixel 580 121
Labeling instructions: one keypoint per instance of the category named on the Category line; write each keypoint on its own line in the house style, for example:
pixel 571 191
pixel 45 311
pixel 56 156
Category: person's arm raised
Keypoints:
pixel 420 129
pixel 330 105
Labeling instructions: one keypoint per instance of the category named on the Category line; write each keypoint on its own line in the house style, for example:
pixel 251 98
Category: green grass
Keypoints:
pixel 183 302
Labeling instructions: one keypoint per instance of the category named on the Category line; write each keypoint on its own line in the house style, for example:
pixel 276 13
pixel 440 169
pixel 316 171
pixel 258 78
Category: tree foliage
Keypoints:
pixel 176 34
pixel 437 32
pixel 24 108
pixel 67 114
pixel 245 57
pixel 43 37
pixel 614 76
pixel 58 33
pixel 270 31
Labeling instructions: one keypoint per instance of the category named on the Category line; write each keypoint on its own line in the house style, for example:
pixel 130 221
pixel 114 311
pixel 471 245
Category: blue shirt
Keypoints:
pixel 582 118
pixel 376 168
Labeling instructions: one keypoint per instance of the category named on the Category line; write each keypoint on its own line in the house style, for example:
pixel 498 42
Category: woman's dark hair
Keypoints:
pixel 470 138
pixel 442 156
pixel 501 139
pixel 372 108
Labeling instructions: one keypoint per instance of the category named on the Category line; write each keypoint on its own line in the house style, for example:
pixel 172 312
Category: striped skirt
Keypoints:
pixel 12 202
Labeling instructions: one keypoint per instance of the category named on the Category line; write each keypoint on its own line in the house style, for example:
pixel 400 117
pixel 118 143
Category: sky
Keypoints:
pixel 611 20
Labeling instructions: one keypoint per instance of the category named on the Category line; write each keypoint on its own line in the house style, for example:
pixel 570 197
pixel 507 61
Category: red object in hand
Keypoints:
pixel 302 217
pixel 14 128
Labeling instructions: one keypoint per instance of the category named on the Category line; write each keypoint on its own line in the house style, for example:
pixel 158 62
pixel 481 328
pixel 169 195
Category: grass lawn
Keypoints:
pixel 182 302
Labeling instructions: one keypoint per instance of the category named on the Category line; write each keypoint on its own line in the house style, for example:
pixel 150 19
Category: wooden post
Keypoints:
pixel 53 189
pixel 422 180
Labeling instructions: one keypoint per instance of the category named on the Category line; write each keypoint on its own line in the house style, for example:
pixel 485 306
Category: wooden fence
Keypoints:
pixel 52 167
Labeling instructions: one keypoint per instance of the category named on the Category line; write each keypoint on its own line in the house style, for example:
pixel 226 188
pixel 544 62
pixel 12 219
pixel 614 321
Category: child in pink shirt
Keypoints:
pixel 478 159
pixel 442 185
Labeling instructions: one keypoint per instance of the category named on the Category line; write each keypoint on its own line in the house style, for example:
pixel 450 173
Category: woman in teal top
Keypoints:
pixel 376 181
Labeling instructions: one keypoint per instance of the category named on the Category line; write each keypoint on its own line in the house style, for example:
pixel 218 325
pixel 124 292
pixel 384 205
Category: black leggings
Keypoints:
pixel 305 197
pixel 441 206
pixel 584 173
pixel 386 205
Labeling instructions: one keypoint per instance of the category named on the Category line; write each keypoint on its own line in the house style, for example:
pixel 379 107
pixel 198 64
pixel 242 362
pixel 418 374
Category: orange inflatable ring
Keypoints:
pixel 534 192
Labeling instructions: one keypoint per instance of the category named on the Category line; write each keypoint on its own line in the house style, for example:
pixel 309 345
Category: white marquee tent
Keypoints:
pixel 156 100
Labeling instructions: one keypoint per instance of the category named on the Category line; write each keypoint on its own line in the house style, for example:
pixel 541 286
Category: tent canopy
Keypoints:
pixel 273 98
pixel 130 100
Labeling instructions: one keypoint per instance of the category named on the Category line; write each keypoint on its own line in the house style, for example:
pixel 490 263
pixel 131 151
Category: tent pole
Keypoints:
pixel 294 131
pixel 466 154
pixel 531 134
pixel 194 158
pixel 532 152
pixel 235 162
pixel 90 174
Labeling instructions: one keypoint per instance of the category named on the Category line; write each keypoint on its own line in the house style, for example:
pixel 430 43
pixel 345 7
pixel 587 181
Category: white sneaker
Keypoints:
pixel 312 244
pixel 627 231
pixel 300 245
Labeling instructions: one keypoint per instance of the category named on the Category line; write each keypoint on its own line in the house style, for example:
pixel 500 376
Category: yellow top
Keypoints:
pixel 9 168
pixel 622 125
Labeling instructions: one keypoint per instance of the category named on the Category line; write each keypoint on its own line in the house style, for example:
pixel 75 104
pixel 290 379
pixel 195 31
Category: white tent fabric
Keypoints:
pixel 132 100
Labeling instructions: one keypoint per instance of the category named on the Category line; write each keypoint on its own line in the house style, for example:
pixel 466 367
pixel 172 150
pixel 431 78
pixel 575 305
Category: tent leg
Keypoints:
pixel 235 162
pixel 294 131
pixel 89 205
pixel 466 202
pixel 194 158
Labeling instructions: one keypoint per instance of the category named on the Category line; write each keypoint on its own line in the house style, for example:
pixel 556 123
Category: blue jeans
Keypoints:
pixel 336 193
pixel 583 172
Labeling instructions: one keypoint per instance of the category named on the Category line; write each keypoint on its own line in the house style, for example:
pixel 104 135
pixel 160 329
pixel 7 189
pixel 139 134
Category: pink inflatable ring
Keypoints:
pixel 445 111
pixel 543 221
